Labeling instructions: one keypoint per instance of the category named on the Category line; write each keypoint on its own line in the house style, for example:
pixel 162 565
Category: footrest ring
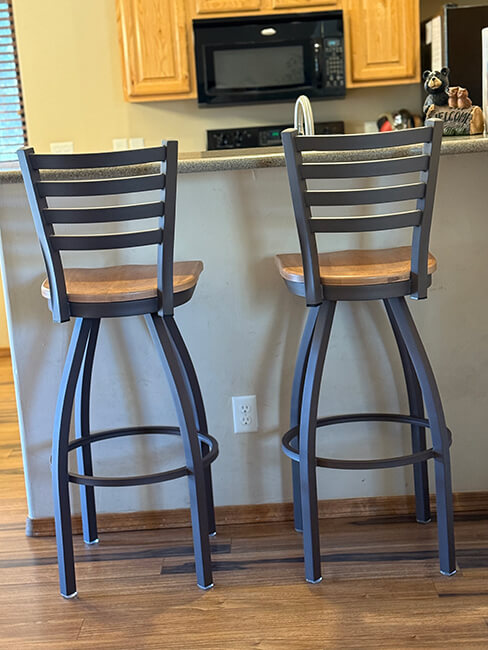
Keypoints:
pixel 380 463
pixel 145 479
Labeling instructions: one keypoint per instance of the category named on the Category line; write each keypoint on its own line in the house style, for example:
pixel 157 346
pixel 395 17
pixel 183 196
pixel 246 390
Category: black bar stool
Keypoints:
pixel 388 275
pixel 90 294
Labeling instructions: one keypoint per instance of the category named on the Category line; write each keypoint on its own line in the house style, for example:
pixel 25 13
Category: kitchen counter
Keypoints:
pixel 235 159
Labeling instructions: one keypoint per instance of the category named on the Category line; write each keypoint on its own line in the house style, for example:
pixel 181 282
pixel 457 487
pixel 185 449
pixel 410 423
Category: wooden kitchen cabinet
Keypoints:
pixel 156 41
pixel 382 42
pixel 156 52
pixel 316 5
pixel 226 6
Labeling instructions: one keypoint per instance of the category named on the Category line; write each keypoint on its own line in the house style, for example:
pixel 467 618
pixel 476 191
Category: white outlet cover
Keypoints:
pixel 120 144
pixel 61 147
pixel 244 410
pixel 136 143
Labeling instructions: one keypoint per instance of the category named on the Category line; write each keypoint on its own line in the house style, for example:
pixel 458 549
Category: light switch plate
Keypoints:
pixel 136 143
pixel 120 144
pixel 61 147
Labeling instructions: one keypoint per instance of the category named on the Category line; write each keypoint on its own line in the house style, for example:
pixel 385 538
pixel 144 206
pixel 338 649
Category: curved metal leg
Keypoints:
pixel 440 438
pixel 419 443
pixel 193 388
pixel 308 430
pixel 161 336
pixel 82 429
pixel 296 402
pixel 62 512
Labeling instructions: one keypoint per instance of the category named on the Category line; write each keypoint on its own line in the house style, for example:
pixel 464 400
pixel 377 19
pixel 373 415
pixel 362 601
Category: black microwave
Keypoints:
pixel 255 59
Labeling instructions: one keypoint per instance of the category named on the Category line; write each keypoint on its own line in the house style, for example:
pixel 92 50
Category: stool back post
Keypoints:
pixel 308 242
pixel 382 163
pixel 52 257
pixel 84 183
pixel 169 167
pixel 421 233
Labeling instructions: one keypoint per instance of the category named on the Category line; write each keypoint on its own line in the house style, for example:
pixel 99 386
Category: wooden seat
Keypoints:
pixel 122 283
pixel 355 267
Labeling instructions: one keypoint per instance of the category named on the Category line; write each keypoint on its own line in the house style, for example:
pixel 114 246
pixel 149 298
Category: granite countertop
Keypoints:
pixel 218 161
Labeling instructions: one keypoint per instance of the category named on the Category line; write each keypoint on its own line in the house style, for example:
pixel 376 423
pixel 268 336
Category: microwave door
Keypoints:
pixel 274 69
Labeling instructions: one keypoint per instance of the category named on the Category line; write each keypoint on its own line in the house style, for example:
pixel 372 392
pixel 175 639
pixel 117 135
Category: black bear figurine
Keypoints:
pixel 436 85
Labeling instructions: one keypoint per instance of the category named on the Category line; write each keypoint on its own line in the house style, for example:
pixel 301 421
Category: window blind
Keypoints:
pixel 12 122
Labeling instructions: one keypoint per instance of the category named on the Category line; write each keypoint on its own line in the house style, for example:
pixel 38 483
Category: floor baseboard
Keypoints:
pixel 475 503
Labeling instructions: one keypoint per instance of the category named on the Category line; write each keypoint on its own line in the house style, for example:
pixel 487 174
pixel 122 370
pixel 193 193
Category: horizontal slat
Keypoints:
pixel 365 196
pixel 365 168
pixel 106 242
pixel 353 141
pixel 104 215
pixel 101 187
pixel 367 224
pixel 101 159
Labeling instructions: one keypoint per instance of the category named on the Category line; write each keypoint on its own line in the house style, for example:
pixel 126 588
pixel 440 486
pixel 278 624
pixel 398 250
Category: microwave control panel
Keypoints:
pixel 260 136
pixel 334 63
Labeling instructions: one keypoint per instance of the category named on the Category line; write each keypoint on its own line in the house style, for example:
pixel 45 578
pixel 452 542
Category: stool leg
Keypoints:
pixel 440 436
pixel 198 503
pixel 296 402
pixel 308 431
pixel 82 428
pixel 416 406
pixel 193 388
pixel 62 512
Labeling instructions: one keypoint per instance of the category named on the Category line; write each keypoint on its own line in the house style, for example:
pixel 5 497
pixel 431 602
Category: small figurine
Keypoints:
pixel 459 115
pixel 463 101
pixel 452 92
pixel 436 85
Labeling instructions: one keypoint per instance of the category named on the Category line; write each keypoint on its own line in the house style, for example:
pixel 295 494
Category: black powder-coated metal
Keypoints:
pixel 193 388
pixel 201 449
pixel 82 429
pixel 290 439
pixel 296 406
pixel 439 432
pixel 416 405
pixel 299 443
pixel 64 407
pixel 168 352
pixel 307 435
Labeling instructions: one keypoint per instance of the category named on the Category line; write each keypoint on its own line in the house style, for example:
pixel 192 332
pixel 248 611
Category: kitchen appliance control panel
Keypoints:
pixel 260 136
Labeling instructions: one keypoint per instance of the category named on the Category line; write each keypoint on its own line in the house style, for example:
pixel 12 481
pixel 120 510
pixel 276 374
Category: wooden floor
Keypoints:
pixel 137 590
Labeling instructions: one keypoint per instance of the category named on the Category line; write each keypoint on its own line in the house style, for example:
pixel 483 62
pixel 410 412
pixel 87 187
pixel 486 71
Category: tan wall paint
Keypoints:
pixel 71 71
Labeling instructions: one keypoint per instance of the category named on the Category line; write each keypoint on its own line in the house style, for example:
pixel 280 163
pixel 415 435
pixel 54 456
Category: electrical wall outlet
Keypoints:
pixel 136 143
pixel 120 144
pixel 61 147
pixel 245 414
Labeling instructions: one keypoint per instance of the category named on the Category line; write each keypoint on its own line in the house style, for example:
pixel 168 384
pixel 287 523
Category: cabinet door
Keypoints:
pixel 382 42
pixel 154 44
pixel 226 6
pixel 303 4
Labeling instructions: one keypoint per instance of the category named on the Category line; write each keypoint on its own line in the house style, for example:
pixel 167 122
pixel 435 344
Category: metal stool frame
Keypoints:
pixel 299 443
pixel 200 448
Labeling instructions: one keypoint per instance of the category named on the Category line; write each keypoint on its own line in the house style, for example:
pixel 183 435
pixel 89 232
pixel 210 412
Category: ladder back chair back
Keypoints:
pixel 383 162
pixel 46 218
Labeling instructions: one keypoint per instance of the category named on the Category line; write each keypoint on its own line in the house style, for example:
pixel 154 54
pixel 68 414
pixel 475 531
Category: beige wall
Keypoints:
pixel 71 71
